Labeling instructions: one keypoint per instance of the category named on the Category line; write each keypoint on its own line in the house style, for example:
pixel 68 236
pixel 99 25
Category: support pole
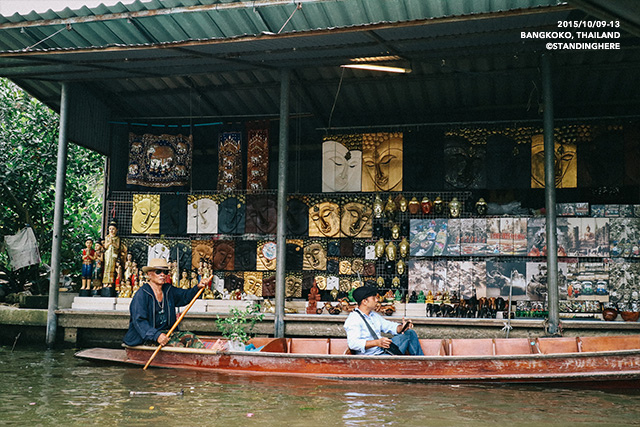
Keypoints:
pixel 550 197
pixel 54 278
pixel 283 154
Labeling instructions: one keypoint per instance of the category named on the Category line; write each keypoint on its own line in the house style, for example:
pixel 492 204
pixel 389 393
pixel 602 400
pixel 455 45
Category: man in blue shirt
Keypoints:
pixel 360 338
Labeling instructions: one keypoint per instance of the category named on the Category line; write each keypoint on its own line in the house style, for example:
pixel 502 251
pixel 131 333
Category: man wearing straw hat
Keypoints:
pixel 153 309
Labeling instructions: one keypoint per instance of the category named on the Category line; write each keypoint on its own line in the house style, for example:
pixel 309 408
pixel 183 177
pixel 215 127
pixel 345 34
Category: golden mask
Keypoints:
pixel 395 282
pixel 345 267
pixel 382 161
pixel 324 220
pixel 356 220
pixel 146 214
pixel 390 208
pixel 380 282
pixel 395 232
pixel 345 285
pixel 401 267
pixel 253 283
pixel 315 257
pixel 391 251
pixel 455 207
pixel 414 206
pixel 377 207
pixel 379 248
pixel 402 204
pixel 403 247
pixel 321 282
pixel 293 287
pixel 357 266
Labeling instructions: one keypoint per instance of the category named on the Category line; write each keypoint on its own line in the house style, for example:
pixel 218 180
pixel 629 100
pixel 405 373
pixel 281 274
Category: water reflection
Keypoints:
pixel 52 387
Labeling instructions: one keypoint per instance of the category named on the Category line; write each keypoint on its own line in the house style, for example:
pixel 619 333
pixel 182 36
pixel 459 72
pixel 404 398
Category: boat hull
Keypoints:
pixel 613 366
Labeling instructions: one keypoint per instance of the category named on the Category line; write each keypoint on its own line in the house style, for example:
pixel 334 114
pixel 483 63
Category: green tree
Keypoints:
pixel 28 162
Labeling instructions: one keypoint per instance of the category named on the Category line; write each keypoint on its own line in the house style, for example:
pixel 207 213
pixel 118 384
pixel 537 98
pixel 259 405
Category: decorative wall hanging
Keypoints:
pixel 173 214
pixel 200 249
pixel 357 218
pixel 231 215
pixel 293 285
pixel 324 219
pixel 566 173
pixel 257 156
pixel 159 161
pixel 315 255
pixel 230 161
pixel 342 163
pixel 464 164
pixel 253 283
pixel 223 255
pixel 202 215
pixel 158 248
pixel 245 255
pixel 268 284
pixel 267 253
pixel 146 214
pixel 261 214
pixel 297 217
pixel 295 251
pixel 180 252
pixel 382 161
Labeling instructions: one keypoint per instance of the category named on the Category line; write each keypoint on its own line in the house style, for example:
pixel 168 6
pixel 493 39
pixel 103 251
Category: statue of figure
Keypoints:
pixel 125 289
pixel 314 297
pixel 128 266
pixel 111 255
pixel 429 299
pixel 403 247
pixel 379 248
pixel 414 206
pixel 88 258
pixel 398 295
pixel 445 298
pixel 98 267
pixel 184 281
pixel 421 298
pixel 119 275
pixel 377 207
pixel 194 279
pixel 391 251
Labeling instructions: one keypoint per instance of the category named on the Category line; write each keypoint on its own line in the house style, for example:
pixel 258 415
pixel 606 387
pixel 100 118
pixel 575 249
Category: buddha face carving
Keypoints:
pixel 464 164
pixel 355 218
pixel 202 216
pixel 231 216
pixel 454 207
pixel 565 164
pixel 223 255
pixel 382 162
pixel 253 283
pixel 315 257
pixel 341 168
pixel 200 250
pixel 266 256
pixel 324 220
pixel 146 211
pixel 293 287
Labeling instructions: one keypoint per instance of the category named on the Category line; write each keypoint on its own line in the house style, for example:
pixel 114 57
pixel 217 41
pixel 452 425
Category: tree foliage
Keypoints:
pixel 28 164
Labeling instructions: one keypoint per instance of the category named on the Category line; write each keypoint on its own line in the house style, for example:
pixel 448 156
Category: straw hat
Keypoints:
pixel 156 264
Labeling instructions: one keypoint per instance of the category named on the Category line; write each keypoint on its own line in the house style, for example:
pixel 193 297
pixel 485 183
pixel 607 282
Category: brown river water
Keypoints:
pixel 51 387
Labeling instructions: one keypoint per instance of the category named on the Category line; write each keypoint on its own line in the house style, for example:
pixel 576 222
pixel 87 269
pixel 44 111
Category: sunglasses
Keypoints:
pixel 161 271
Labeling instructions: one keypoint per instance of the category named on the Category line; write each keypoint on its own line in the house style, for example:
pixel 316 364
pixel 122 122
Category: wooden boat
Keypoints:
pixel 610 359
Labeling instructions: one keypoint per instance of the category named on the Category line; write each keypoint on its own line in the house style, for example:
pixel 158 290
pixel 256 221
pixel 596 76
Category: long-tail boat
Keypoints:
pixel 593 359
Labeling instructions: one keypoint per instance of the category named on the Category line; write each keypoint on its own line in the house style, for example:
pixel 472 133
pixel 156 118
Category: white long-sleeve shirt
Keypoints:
pixel 358 333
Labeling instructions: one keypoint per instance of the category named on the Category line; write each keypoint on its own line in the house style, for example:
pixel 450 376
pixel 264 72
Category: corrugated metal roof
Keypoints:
pixel 467 57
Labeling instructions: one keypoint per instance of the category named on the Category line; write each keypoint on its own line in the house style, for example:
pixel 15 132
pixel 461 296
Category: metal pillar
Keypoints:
pixel 283 154
pixel 54 278
pixel 550 197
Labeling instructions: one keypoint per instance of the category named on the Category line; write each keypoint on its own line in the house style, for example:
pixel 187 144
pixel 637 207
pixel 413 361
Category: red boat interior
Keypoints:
pixel 458 347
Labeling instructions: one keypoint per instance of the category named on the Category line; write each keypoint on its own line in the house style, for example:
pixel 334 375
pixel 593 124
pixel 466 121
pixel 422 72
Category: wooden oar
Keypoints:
pixel 175 325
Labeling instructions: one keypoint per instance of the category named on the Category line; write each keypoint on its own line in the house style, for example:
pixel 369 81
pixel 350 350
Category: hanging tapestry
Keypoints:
pixel 382 161
pixel 257 156
pixel 173 214
pixel 159 161
pixel 145 217
pixel 342 163
pixel 202 215
pixel 230 161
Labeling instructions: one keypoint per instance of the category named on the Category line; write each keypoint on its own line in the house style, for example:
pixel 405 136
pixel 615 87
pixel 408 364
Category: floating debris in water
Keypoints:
pixel 156 393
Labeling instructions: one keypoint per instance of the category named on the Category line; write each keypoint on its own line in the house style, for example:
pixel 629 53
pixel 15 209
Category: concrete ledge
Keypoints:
pixel 22 316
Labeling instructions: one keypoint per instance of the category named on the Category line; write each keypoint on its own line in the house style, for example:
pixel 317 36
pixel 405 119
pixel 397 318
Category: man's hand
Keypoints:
pixel 384 342
pixel 163 339
pixel 406 324
pixel 205 281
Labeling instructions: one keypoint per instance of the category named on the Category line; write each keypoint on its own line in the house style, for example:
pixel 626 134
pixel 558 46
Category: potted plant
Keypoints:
pixel 238 326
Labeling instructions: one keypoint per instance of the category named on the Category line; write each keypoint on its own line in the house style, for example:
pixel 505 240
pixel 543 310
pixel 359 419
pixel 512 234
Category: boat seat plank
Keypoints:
pixel 557 345
pixel 271 345
pixel 604 343
pixel 309 345
pixel 338 346
pixel 471 347
pixel 433 347
pixel 506 346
